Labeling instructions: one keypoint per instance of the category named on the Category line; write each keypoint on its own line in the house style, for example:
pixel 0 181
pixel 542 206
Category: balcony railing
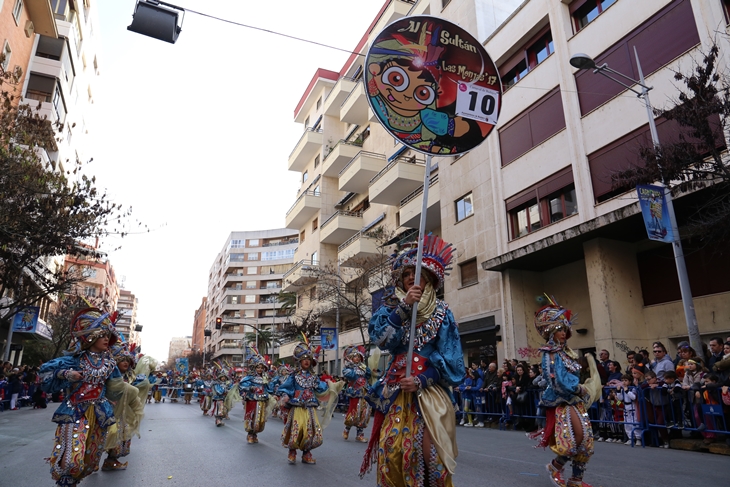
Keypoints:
pixel 304 135
pixel 288 242
pixel 419 191
pixel 359 154
pixel 356 214
pixel 302 195
pixel 302 264
pixel 399 159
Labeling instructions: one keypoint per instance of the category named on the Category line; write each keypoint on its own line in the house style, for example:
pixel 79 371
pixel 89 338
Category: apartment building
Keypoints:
pixel 127 323
pixel 198 344
pixel 243 288
pixel 179 347
pixel 20 21
pixel 99 285
pixel 532 209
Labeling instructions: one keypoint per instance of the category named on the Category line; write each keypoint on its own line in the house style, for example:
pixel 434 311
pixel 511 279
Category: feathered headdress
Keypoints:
pixel 304 350
pixel 253 357
pixel 89 324
pixel 437 256
pixel 551 318
pixel 352 351
pixel 124 351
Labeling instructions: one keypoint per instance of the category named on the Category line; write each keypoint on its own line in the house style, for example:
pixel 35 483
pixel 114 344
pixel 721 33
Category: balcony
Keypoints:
pixel 360 170
pixel 410 207
pixel 340 226
pixel 302 274
pixel 355 108
pixel 397 180
pixel 396 10
pixel 339 92
pixel 338 157
pixel 304 208
pixel 309 144
pixel 357 247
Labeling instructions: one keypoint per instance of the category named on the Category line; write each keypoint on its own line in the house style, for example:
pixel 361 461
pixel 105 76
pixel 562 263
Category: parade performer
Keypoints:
pixel 90 378
pixel 281 375
pixel 219 390
pixel 126 360
pixel 159 384
pixel 302 392
pixel 568 430
pixel 414 429
pixel 204 391
pixel 357 375
pixel 189 388
pixel 254 389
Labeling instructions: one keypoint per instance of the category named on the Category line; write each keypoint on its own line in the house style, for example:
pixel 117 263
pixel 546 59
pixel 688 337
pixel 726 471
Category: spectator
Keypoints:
pixel 678 357
pixel 539 384
pixel 520 396
pixel 466 398
pixel 715 352
pixel 614 373
pixel 662 363
pixel 507 368
pixel 644 356
pixel 676 395
pixel 491 388
pixel 477 398
pixel 685 353
pixel 16 387
pixel 694 380
pixel 631 359
pixel 626 394
pixel 657 399
pixel 722 367
pixel 603 355
pixel 507 383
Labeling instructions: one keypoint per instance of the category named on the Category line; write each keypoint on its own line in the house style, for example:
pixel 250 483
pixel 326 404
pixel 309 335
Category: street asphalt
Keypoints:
pixel 181 447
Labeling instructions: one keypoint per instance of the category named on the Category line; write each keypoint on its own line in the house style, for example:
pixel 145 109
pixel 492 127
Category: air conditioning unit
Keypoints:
pixel 29 28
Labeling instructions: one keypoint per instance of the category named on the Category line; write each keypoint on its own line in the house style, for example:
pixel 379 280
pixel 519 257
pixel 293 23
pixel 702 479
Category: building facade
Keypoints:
pixel 198 344
pixel 243 289
pixel 532 209
pixel 127 322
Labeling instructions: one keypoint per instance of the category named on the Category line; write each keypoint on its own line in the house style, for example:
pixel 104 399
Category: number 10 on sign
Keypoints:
pixel 477 103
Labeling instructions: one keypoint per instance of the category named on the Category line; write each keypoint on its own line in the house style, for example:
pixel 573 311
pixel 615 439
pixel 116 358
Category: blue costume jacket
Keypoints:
pixel 254 388
pixel 90 391
pixel 437 357
pixel 357 376
pixel 563 380
pixel 301 387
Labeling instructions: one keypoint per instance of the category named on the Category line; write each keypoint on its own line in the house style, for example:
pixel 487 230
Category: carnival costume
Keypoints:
pixel 357 374
pixel 87 415
pixel 204 392
pixel 120 443
pixel 302 392
pixel 254 389
pixel 406 423
pixel 281 375
pixel 565 399
pixel 218 391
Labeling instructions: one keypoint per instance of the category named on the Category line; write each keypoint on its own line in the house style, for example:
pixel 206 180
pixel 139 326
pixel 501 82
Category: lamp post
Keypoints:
pixel 583 61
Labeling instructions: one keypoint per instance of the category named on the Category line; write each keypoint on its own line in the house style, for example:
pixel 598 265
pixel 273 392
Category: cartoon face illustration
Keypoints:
pixel 406 89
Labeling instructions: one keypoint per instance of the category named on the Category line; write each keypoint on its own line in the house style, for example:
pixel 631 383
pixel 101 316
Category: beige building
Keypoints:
pixel 243 288
pixel 127 322
pixel 198 344
pixel 531 210
pixel 179 347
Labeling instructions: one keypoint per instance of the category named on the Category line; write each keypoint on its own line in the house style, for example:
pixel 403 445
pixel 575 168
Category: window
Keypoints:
pixel 250 284
pixel 17 11
pixel 254 242
pixel 302 235
pixel 273 284
pixel 40 88
pixel 237 244
pixel 6 59
pixel 249 313
pixel 88 272
pixel 237 257
pixel 464 207
pixel 468 272
pixel 251 270
pixel 315 258
pixel 585 11
pixel 548 201
pixel 250 298
pixel 233 299
pixel 312 293
pixel 444 3
pixel 252 256
pixel 90 291
pixel 319 103
pixel 315 224
pixel 306 123
pixel 278 254
pixel 316 161
pixel 305 176
pixel 535 51
pixel 316 190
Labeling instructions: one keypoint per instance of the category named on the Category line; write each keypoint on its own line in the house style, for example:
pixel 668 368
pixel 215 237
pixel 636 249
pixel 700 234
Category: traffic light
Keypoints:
pixel 218 323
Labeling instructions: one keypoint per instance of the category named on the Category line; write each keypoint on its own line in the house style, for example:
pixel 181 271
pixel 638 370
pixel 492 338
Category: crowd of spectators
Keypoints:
pixel 19 387
pixel 651 397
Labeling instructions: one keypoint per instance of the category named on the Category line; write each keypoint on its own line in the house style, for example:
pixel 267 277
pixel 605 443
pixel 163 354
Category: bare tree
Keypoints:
pixel 697 159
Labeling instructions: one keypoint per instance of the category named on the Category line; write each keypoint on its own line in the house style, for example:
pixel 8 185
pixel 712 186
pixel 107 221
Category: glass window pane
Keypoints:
pixel 571 205
pixel 556 209
pixel 522 228
pixel 534 215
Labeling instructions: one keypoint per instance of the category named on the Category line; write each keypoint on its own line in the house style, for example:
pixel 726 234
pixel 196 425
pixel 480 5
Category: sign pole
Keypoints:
pixel 419 256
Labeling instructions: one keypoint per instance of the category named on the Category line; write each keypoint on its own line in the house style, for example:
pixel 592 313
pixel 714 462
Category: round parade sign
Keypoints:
pixel 432 85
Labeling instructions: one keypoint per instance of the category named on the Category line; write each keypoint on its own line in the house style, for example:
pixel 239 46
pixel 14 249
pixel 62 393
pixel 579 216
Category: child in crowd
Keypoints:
pixel 625 393
pixel 693 382
pixel 674 388
pixel 657 399
pixel 506 384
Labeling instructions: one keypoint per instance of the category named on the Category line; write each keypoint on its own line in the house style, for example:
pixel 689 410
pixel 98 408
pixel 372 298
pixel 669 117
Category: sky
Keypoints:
pixel 195 136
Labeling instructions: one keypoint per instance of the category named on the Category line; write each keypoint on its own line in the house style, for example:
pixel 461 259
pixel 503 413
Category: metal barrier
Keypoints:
pixel 640 414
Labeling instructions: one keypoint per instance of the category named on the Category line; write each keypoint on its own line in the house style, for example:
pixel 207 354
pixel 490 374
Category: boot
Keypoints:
pixel 308 458
pixel 361 436
pixel 573 482
pixel 251 438
pixel 292 458
pixel 556 476
pixel 346 433
pixel 113 464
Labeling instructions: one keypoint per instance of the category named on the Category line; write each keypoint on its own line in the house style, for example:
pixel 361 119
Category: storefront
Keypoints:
pixel 479 339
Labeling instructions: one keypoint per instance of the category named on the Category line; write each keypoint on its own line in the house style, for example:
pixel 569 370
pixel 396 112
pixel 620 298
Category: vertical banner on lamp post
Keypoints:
pixel 653 202
pixel 328 338
pixel 26 319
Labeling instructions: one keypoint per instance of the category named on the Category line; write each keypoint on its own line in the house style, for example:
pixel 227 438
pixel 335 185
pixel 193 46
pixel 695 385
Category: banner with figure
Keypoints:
pixel 181 366
pixel 653 202
pixel 329 338
pixel 26 319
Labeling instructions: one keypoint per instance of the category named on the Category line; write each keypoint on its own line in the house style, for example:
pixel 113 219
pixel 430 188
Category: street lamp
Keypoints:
pixel 583 61
pixel 157 19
